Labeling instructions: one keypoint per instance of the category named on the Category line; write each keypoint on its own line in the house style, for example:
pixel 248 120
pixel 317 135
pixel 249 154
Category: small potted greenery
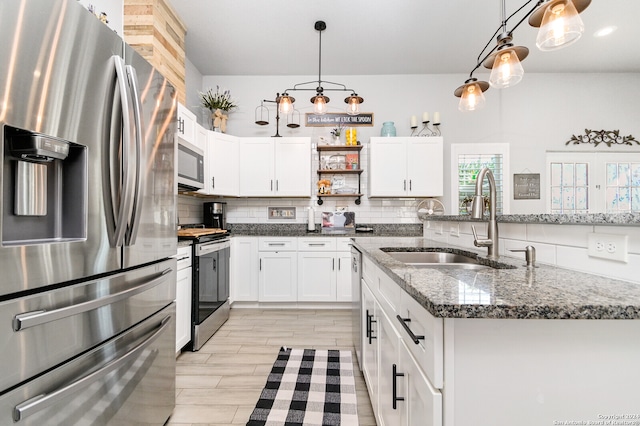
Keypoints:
pixel 218 103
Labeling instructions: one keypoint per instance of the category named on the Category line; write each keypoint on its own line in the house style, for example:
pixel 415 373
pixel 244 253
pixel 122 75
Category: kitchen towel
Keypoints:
pixel 308 387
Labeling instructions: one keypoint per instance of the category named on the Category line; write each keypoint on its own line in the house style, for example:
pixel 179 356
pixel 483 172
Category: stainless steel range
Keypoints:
pixel 210 296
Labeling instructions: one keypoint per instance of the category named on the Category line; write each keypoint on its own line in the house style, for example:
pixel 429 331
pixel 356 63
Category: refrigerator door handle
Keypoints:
pixel 40 402
pixel 35 318
pixel 139 175
pixel 125 199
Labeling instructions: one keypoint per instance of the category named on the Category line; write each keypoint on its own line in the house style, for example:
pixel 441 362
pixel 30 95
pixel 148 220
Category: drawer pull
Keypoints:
pixel 276 244
pixel 395 396
pixel 404 321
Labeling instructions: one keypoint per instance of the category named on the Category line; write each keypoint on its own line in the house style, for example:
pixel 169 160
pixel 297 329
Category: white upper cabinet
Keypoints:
pixel 275 167
pixel 223 161
pixel 406 167
pixel 186 128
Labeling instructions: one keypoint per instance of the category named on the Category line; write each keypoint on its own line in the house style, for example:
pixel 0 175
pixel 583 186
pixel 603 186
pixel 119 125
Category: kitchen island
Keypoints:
pixel 511 345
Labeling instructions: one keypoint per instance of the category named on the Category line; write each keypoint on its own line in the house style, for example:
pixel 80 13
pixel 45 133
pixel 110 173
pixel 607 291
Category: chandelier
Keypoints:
pixel 320 100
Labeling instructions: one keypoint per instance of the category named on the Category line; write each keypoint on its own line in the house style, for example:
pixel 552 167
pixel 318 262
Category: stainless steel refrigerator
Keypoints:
pixel 87 221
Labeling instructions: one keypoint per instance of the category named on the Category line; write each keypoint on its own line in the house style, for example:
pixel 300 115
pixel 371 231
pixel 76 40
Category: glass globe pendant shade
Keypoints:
pixel 507 70
pixel 561 26
pixel 286 104
pixel 471 97
pixel 353 104
pixel 320 104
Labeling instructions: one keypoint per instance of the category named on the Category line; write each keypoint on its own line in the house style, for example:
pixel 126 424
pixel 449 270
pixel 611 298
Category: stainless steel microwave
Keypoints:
pixel 190 166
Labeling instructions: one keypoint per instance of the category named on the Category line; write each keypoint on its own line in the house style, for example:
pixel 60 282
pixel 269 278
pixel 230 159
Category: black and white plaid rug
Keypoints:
pixel 308 387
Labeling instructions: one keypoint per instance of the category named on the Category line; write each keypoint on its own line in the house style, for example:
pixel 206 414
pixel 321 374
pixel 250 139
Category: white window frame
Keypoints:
pixel 597 176
pixel 458 149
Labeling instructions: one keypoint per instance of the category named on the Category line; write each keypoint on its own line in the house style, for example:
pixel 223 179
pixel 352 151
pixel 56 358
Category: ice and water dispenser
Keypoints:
pixel 44 189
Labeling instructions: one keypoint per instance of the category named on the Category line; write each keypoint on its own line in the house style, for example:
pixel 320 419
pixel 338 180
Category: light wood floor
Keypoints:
pixel 220 384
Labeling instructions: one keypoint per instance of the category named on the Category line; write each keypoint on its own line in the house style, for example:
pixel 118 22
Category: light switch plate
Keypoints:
pixel 608 246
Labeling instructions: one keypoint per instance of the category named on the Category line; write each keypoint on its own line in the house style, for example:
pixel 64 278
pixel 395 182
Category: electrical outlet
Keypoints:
pixel 454 230
pixel 438 228
pixel 608 246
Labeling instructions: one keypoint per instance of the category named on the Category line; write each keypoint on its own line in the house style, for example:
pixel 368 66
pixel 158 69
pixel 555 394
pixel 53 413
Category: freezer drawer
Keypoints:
pixel 45 329
pixel 129 380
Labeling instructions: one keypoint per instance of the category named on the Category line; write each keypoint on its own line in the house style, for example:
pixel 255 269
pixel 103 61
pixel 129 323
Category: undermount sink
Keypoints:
pixel 432 259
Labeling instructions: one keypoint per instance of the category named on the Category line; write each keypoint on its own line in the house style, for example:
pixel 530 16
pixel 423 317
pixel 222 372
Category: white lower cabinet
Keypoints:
pixel 324 269
pixel 183 297
pixel 401 391
pixel 391 401
pixel 278 270
pixel 290 269
pixel 423 401
pixel 370 346
pixel 316 276
pixel 244 266
pixel 343 277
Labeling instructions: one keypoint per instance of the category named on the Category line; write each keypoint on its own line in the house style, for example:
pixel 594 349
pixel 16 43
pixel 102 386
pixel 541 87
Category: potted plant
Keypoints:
pixel 218 103
pixel 336 132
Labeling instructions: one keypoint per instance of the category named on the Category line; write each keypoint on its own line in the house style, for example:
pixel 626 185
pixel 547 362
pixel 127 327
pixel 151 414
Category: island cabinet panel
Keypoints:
pixel 403 387
pixel 540 371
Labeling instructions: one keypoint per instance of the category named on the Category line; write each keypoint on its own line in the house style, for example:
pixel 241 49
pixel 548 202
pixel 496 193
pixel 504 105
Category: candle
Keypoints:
pixel 436 118
pixel 425 117
pixel 414 121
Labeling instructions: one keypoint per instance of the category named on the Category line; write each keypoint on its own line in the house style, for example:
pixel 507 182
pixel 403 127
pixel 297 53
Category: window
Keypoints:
pixel 593 182
pixel 468 160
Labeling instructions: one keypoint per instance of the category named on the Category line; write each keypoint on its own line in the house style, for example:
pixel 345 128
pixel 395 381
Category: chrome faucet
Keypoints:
pixel 477 210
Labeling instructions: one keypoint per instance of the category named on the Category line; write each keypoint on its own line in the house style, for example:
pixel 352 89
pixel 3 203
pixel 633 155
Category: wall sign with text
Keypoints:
pixel 333 119
pixel 526 186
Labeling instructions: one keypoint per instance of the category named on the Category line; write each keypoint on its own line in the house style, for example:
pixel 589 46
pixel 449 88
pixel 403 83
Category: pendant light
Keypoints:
pixel 560 23
pixel 505 63
pixel 471 94
pixel 353 104
pixel 285 104
pixel 320 101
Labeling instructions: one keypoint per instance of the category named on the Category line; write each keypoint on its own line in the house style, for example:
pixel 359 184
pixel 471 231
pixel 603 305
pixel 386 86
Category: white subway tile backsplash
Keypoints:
pixel 514 231
pixel 566 235
pixel 578 259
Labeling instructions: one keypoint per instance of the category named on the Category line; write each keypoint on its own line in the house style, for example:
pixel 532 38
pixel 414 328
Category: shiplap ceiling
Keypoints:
pixel 369 37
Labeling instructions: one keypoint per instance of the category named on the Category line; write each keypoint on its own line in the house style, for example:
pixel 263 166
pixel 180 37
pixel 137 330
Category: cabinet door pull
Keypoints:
pixel 213 182
pixel 367 325
pixel 333 264
pixel 409 184
pixel 339 267
pixel 405 184
pixel 404 321
pixel 395 396
pixel 260 267
pixel 370 322
pixel 272 184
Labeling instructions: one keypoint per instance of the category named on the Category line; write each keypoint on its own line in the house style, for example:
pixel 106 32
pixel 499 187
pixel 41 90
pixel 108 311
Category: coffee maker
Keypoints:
pixel 215 215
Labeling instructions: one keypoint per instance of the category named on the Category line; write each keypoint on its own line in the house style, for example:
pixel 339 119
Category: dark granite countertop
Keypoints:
pixel 555 219
pixel 545 292
pixel 300 230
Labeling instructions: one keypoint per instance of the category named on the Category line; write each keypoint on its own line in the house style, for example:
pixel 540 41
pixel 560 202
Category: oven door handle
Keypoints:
pixel 202 249
pixel 35 318
pixel 40 402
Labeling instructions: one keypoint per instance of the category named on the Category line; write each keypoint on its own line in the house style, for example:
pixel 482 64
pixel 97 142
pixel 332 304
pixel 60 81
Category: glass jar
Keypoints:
pixel 388 129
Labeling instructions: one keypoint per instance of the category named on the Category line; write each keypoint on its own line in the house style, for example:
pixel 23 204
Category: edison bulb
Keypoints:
pixel 507 69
